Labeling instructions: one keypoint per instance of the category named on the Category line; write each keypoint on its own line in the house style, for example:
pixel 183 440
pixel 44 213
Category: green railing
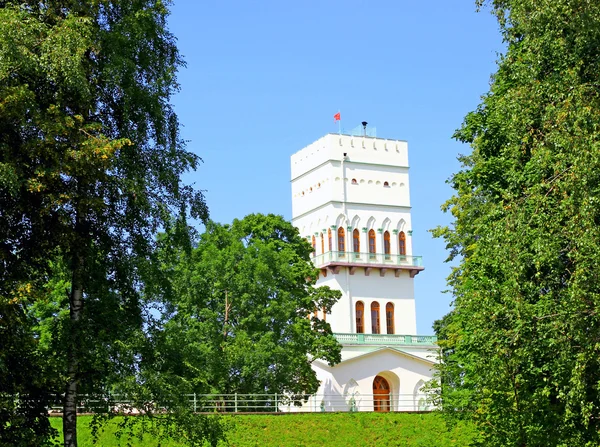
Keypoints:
pixel 351 257
pixel 386 339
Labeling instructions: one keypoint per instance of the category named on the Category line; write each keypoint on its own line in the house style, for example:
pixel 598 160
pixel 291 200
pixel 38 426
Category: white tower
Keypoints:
pixel 350 198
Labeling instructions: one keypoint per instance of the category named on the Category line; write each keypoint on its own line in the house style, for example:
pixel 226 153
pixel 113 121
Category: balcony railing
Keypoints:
pixel 385 339
pixel 351 257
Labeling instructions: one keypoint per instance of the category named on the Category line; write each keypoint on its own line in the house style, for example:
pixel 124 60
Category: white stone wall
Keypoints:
pixel 355 377
pixel 358 287
pixel 360 149
pixel 359 183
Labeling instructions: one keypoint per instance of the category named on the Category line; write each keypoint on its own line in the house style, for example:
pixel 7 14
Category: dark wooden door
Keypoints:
pixel 381 394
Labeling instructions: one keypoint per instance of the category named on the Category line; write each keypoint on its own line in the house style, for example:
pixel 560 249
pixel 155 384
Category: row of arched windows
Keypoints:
pixel 375 318
pixel 341 234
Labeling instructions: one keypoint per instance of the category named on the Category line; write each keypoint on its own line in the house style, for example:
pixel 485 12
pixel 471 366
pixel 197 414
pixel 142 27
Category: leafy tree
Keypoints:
pixel 243 319
pixel 23 421
pixel 90 166
pixel 521 349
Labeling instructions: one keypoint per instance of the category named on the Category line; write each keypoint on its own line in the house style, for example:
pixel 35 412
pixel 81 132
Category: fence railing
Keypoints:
pixel 363 402
pixel 262 403
pixel 385 339
pixel 351 257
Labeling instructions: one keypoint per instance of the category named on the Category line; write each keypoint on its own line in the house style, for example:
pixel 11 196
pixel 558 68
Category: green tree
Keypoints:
pixel 22 372
pixel 243 319
pixel 90 166
pixel 521 348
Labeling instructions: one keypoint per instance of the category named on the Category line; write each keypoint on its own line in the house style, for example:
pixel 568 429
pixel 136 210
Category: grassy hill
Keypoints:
pixel 315 429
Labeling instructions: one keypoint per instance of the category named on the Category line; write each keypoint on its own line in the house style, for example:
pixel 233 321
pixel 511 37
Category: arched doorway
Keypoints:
pixel 381 394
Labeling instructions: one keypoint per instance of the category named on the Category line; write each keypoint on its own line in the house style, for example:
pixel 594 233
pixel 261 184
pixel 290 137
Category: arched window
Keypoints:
pixel 386 184
pixel 356 241
pixel 354 182
pixel 375 324
pixel 386 244
pixel 329 237
pixel 314 245
pixel 341 239
pixel 389 317
pixel 360 317
pixel 372 246
pixel 324 314
pixel 322 243
pixel 402 241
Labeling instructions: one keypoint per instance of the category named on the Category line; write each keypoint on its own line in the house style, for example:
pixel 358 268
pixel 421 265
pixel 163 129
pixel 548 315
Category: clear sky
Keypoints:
pixel 264 79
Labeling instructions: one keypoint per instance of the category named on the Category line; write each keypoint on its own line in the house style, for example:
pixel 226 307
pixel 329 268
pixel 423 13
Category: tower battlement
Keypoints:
pixel 363 149
pixel 364 171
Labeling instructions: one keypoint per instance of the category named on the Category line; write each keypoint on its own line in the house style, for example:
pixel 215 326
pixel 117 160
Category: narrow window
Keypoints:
pixel 375 325
pixel 372 243
pixel 322 243
pixel 360 311
pixel 389 317
pixel 329 237
pixel 402 246
pixel 341 239
pixel 386 185
pixel 354 182
pixel 386 244
pixel 324 314
pixel 314 246
pixel 356 241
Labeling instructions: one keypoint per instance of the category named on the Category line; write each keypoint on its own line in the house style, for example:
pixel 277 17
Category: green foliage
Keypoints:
pixel 239 309
pixel 521 349
pixel 90 167
pixel 332 429
pixel 22 422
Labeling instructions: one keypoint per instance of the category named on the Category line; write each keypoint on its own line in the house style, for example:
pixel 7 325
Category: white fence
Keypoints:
pixel 264 403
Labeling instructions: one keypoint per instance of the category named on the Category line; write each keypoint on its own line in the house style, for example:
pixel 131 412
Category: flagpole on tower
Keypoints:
pixel 338 117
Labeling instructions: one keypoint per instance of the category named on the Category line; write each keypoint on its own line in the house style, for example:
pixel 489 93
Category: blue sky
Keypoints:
pixel 264 79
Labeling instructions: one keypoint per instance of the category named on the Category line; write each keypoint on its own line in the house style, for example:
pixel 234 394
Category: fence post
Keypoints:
pixel 195 402
pixel 236 402
pixel 276 404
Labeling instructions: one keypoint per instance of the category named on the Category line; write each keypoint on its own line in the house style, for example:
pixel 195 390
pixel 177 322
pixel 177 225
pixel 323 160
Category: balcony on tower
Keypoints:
pixel 386 339
pixel 334 260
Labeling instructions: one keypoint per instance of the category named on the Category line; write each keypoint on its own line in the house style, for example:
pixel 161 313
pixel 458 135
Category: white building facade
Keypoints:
pixel 350 199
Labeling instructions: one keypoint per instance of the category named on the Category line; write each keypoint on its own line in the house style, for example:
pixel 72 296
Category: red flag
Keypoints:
pixel 337 117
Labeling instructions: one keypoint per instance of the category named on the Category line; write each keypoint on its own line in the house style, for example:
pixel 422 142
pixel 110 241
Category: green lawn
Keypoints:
pixel 321 429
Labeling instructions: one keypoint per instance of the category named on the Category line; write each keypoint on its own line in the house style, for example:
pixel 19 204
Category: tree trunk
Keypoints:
pixel 75 312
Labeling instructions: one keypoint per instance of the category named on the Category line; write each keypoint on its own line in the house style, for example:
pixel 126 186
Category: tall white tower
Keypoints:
pixel 350 199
